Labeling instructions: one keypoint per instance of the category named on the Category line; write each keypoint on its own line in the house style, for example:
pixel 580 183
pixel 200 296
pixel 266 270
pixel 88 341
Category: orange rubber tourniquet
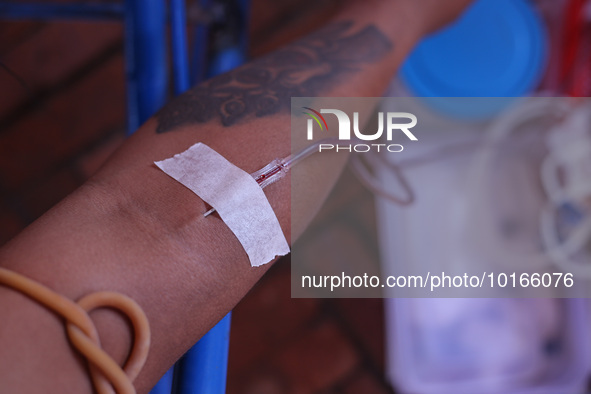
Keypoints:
pixel 106 374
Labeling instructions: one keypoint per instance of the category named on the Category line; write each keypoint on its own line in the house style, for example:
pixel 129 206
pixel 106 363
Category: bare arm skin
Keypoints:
pixel 134 230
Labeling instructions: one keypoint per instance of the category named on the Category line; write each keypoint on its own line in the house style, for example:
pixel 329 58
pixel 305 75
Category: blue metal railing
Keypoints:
pixel 180 60
pixel 204 367
pixel 145 53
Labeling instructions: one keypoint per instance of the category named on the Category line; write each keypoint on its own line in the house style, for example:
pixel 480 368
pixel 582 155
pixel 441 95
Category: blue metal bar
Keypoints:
pixel 146 59
pixel 204 367
pixel 164 385
pixel 243 39
pixel 199 64
pixel 133 118
pixel 93 11
pixel 233 53
pixel 180 62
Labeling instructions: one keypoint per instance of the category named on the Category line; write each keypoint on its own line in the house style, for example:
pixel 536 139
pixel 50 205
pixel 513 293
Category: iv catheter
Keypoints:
pixel 278 168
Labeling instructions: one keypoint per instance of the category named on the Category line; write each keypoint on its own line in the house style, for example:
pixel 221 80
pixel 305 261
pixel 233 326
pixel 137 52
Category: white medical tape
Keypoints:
pixel 235 195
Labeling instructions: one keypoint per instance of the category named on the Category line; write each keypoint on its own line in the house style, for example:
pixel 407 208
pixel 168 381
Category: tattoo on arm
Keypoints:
pixel 265 86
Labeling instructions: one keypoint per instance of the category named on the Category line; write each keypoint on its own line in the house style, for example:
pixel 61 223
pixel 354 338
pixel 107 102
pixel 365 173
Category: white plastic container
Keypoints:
pixel 468 353
pixel 462 345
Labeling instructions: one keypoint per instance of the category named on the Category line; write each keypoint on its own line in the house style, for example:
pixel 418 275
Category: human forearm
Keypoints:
pixel 134 230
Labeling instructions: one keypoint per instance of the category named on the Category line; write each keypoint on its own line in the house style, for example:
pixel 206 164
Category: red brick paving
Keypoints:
pixel 51 56
pixel 278 318
pixel 365 382
pixel 12 33
pixel 63 125
pixel 317 358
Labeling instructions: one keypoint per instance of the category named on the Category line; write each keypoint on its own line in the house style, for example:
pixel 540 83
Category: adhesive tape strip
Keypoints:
pixel 236 196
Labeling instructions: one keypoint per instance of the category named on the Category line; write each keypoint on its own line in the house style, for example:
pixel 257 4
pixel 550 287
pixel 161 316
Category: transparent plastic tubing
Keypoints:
pixel 278 168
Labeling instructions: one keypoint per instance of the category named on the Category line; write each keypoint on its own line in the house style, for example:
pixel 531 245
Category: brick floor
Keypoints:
pixel 68 122
pixel 12 34
pixel 57 132
pixel 317 357
pixel 275 318
pixel 51 56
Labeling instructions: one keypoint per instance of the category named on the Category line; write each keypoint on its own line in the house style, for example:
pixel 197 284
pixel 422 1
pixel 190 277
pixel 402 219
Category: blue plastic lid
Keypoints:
pixel 496 49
